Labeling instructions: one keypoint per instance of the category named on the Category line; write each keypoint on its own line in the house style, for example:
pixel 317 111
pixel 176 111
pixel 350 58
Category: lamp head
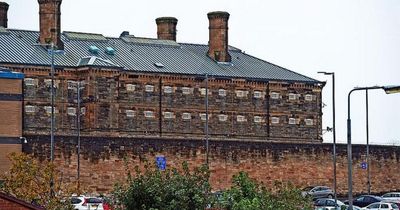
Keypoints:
pixel 326 73
pixel 390 89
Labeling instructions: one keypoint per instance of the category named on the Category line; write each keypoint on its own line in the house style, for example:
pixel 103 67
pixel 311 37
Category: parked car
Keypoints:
pixel 89 203
pixel 392 197
pixel 365 200
pixel 382 206
pixel 317 192
pixel 354 208
pixel 328 204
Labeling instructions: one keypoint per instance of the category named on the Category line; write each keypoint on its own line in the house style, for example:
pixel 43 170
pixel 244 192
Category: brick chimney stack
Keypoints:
pixel 218 41
pixel 50 22
pixel 3 14
pixel 166 28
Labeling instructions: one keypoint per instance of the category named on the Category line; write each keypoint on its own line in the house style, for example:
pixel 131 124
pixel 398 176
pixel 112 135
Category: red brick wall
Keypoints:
pixel 10 205
pixel 102 161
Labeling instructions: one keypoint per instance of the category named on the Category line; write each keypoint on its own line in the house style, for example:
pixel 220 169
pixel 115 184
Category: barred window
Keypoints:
pixel 241 118
pixel 309 121
pixel 274 120
pixel 167 89
pixel 258 119
pixel 149 88
pixel 149 114
pixel 130 113
pixel 223 117
pixel 71 111
pixel 30 108
pixel 222 92
pixel 292 121
pixel 241 93
pixel 168 115
pixel 274 95
pixel 257 94
pixel 308 97
pixel 186 116
pixel 203 116
pixel 292 96
pixel 187 90
pixel 30 81
pixel 130 87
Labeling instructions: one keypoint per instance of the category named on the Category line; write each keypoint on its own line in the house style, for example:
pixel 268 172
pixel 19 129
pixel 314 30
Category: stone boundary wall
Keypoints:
pixel 105 161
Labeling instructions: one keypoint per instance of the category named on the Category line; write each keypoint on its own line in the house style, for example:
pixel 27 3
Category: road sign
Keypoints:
pixel 161 162
pixel 364 165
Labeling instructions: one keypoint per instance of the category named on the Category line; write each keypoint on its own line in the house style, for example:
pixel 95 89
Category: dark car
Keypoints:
pixel 328 204
pixel 317 192
pixel 365 200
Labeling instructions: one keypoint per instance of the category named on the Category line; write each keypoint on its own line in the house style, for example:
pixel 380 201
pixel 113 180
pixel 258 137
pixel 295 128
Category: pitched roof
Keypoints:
pixel 140 55
pixel 19 202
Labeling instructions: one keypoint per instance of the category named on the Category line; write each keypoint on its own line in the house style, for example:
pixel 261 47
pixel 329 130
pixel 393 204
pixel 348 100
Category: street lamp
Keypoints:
pixel 334 131
pixel 388 90
pixel 51 51
pixel 206 127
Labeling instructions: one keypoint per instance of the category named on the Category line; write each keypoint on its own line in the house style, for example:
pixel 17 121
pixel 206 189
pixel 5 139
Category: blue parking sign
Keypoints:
pixel 161 162
pixel 364 165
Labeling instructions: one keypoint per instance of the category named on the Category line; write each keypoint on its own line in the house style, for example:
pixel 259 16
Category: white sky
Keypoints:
pixel 359 40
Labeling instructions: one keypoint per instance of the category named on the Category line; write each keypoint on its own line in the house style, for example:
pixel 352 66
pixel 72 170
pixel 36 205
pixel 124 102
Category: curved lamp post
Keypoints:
pixel 334 131
pixel 388 90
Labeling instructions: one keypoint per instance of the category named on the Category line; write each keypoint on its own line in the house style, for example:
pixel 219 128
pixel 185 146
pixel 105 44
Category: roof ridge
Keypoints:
pixel 283 68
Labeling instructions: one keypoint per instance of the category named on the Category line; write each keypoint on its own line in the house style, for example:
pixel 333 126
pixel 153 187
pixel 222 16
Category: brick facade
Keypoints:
pixel 103 161
pixel 8 202
pixel 116 104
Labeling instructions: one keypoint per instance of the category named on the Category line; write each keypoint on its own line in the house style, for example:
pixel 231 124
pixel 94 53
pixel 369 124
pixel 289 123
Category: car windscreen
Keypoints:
pixel 94 200
pixel 308 188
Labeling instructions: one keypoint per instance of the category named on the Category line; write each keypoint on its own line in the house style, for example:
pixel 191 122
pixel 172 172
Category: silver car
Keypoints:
pixel 328 204
pixel 318 192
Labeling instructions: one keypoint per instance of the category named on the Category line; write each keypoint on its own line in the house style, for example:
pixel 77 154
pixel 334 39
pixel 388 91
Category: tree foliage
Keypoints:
pixel 171 189
pixel 247 194
pixel 29 180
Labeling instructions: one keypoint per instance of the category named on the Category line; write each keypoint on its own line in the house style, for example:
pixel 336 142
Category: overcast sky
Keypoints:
pixel 359 40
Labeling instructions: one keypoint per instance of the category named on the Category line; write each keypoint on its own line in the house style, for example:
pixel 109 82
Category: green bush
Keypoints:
pixel 164 190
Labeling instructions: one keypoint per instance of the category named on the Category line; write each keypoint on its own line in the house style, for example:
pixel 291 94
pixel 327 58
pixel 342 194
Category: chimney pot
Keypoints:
pixel 50 22
pixel 3 14
pixel 218 33
pixel 166 28
pixel 124 33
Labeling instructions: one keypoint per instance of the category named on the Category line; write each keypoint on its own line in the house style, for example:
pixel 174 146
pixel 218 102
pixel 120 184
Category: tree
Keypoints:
pixel 171 189
pixel 29 180
pixel 247 194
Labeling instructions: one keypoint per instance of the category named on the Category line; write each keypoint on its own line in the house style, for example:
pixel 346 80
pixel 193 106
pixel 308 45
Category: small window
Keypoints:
pixel 203 116
pixel 30 109
pixel 241 93
pixel 186 116
pixel 167 89
pixel 223 117
pixel 292 96
pixel 130 113
pixel 71 85
pixel 130 87
pixel 309 121
pixel 168 115
pixel 258 119
pixel 187 90
pixel 203 91
pixel 71 111
pixel 384 206
pixel 274 95
pixel 149 114
pixel 241 118
pixel 48 109
pixel 257 94
pixel 308 97
pixel 222 92
pixel 30 82
pixel 83 110
pixel 47 82
pixel 149 88
pixel 292 121
pixel 274 120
